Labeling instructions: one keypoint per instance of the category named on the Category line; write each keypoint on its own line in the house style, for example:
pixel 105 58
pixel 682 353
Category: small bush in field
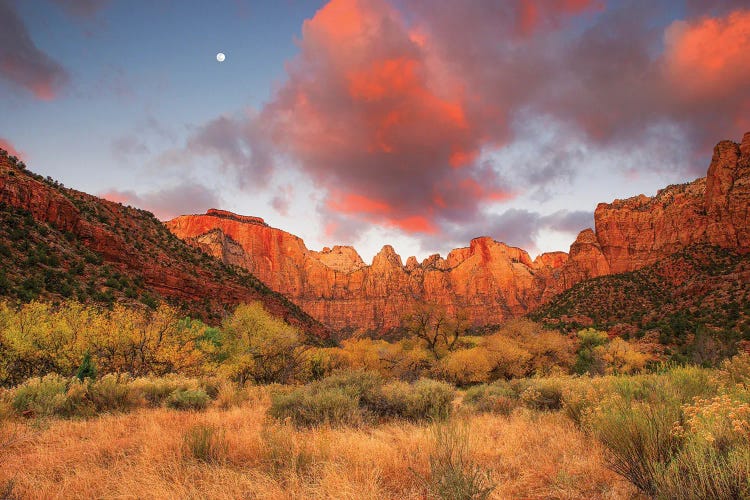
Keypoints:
pixel 494 398
pixel 353 398
pixel 453 472
pixel 736 371
pixel 156 391
pixel 229 395
pixel 188 399
pixel 540 394
pixel 423 400
pixel 205 443
pixel 640 439
pixel 715 460
pixel 52 395
pixel 284 452
pixel 112 393
pixel 327 406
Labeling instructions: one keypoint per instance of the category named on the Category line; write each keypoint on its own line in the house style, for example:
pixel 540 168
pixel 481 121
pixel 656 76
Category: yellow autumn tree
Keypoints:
pixel 255 346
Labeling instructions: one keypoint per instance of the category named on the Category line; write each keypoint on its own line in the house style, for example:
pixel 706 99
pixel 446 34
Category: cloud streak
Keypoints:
pixel 22 63
pixel 168 202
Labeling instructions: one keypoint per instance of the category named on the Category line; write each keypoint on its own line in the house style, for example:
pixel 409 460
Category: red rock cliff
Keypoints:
pixel 488 280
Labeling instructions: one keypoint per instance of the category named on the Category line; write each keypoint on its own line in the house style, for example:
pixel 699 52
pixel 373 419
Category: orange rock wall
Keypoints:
pixel 488 280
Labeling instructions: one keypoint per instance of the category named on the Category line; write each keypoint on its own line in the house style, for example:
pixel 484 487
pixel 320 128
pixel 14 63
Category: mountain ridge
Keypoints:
pixel 59 243
pixel 489 280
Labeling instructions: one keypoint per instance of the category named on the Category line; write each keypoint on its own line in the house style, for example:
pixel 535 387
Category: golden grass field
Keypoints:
pixel 143 454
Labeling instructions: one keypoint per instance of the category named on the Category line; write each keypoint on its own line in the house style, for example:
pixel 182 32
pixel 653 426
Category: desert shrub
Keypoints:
pixel 493 398
pixel 465 366
pixel 305 407
pixel 715 460
pixel 423 400
pixel 639 439
pixel 524 348
pixel 156 390
pixel 356 397
pixel 112 393
pixel 689 382
pixel 52 395
pixel 581 395
pixel 540 393
pixel 205 443
pixel 454 474
pixel 256 346
pixel 188 399
pixel 736 371
pixel 229 395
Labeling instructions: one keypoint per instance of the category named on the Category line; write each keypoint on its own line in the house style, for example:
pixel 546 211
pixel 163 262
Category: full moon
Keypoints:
pixel 220 57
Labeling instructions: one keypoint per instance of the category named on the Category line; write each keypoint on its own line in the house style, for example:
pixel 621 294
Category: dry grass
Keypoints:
pixel 143 455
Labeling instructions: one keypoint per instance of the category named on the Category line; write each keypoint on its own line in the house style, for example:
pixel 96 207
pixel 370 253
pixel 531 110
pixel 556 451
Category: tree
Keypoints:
pixel 439 330
pixel 256 346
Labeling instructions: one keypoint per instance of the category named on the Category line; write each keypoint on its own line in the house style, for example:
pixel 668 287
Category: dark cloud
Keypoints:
pixel 22 63
pixel 129 145
pixel 282 199
pixel 169 202
pixel 397 117
pixel 517 227
pixel 82 8
pixel 240 144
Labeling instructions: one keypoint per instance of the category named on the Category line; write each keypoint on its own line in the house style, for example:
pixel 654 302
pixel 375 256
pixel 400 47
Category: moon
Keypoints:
pixel 220 57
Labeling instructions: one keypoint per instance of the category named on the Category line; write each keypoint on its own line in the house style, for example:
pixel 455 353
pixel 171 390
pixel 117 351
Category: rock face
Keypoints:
pixel 488 280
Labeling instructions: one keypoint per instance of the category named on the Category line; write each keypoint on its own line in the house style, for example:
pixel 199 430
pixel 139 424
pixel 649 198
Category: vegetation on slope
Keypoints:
pixel 113 254
pixel 696 302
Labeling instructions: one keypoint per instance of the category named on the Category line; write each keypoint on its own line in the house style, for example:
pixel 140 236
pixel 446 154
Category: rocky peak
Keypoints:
pixel 411 263
pixel 434 261
pixel 344 259
pixel 490 280
pixel 551 260
pixel 386 257
pixel 225 214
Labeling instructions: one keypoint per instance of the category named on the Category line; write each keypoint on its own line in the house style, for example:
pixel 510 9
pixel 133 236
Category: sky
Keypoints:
pixel 416 123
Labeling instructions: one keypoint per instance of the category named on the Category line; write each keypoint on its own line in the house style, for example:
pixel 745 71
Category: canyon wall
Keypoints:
pixel 488 280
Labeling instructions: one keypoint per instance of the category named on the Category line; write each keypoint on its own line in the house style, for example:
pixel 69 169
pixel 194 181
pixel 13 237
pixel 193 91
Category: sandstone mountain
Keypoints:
pixel 488 280
pixel 58 243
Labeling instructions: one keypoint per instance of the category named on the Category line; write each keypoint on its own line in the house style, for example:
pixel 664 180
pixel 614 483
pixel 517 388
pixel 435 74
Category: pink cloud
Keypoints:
pixel 369 117
pixel 6 145
pixel 709 56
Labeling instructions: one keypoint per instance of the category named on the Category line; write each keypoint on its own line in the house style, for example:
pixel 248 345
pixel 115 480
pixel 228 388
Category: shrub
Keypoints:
pixel 188 399
pixel 52 395
pixel 283 452
pixel 639 439
pixel 353 398
pixel 228 395
pixel 736 371
pixel 453 472
pixel 494 398
pixel 541 393
pixel 156 391
pixel 424 400
pixel 702 471
pixel 205 443
pixel 715 461
pixel 303 407
pixel 112 393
